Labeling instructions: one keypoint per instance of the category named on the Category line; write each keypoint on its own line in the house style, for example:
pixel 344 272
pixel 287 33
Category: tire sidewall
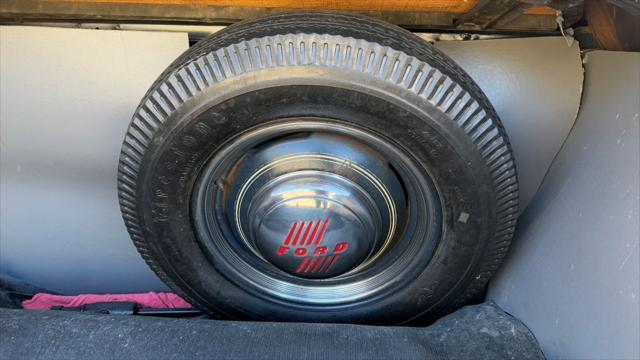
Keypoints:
pixel 195 131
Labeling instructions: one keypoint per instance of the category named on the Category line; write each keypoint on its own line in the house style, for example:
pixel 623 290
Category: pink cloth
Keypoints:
pixel 154 300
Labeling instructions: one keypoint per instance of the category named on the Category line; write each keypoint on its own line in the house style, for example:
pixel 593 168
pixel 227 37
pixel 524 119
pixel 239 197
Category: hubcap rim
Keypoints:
pixel 310 213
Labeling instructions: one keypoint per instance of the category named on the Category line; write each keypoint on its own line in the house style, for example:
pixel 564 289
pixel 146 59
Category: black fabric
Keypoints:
pixel 474 332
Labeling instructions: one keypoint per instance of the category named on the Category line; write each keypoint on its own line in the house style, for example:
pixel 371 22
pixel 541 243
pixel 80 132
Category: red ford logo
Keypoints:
pixel 315 258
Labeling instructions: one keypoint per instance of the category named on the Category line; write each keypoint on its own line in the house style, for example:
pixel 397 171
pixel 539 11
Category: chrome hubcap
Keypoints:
pixel 310 211
pixel 314 224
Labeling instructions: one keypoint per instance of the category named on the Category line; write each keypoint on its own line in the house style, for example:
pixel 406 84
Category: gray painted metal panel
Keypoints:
pixel 535 86
pixel 573 273
pixel 67 98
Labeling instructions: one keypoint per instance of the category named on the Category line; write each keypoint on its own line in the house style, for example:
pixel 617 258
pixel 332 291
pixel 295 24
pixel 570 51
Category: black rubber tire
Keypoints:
pixel 425 102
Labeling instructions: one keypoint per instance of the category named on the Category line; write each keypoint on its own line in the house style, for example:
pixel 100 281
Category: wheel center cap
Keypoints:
pixel 313 224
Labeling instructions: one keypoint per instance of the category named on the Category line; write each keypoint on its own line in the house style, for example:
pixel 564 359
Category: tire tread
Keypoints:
pixel 411 64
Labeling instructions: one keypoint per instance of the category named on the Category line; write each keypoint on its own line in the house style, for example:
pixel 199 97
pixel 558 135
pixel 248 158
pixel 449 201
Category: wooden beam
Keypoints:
pixel 417 15
pixel 446 6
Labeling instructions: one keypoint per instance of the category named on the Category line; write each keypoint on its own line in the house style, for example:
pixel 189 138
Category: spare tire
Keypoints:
pixel 321 167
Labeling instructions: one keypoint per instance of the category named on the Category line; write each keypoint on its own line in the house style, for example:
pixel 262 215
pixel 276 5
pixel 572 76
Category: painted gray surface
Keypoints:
pixel 572 275
pixel 66 99
pixel 535 85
